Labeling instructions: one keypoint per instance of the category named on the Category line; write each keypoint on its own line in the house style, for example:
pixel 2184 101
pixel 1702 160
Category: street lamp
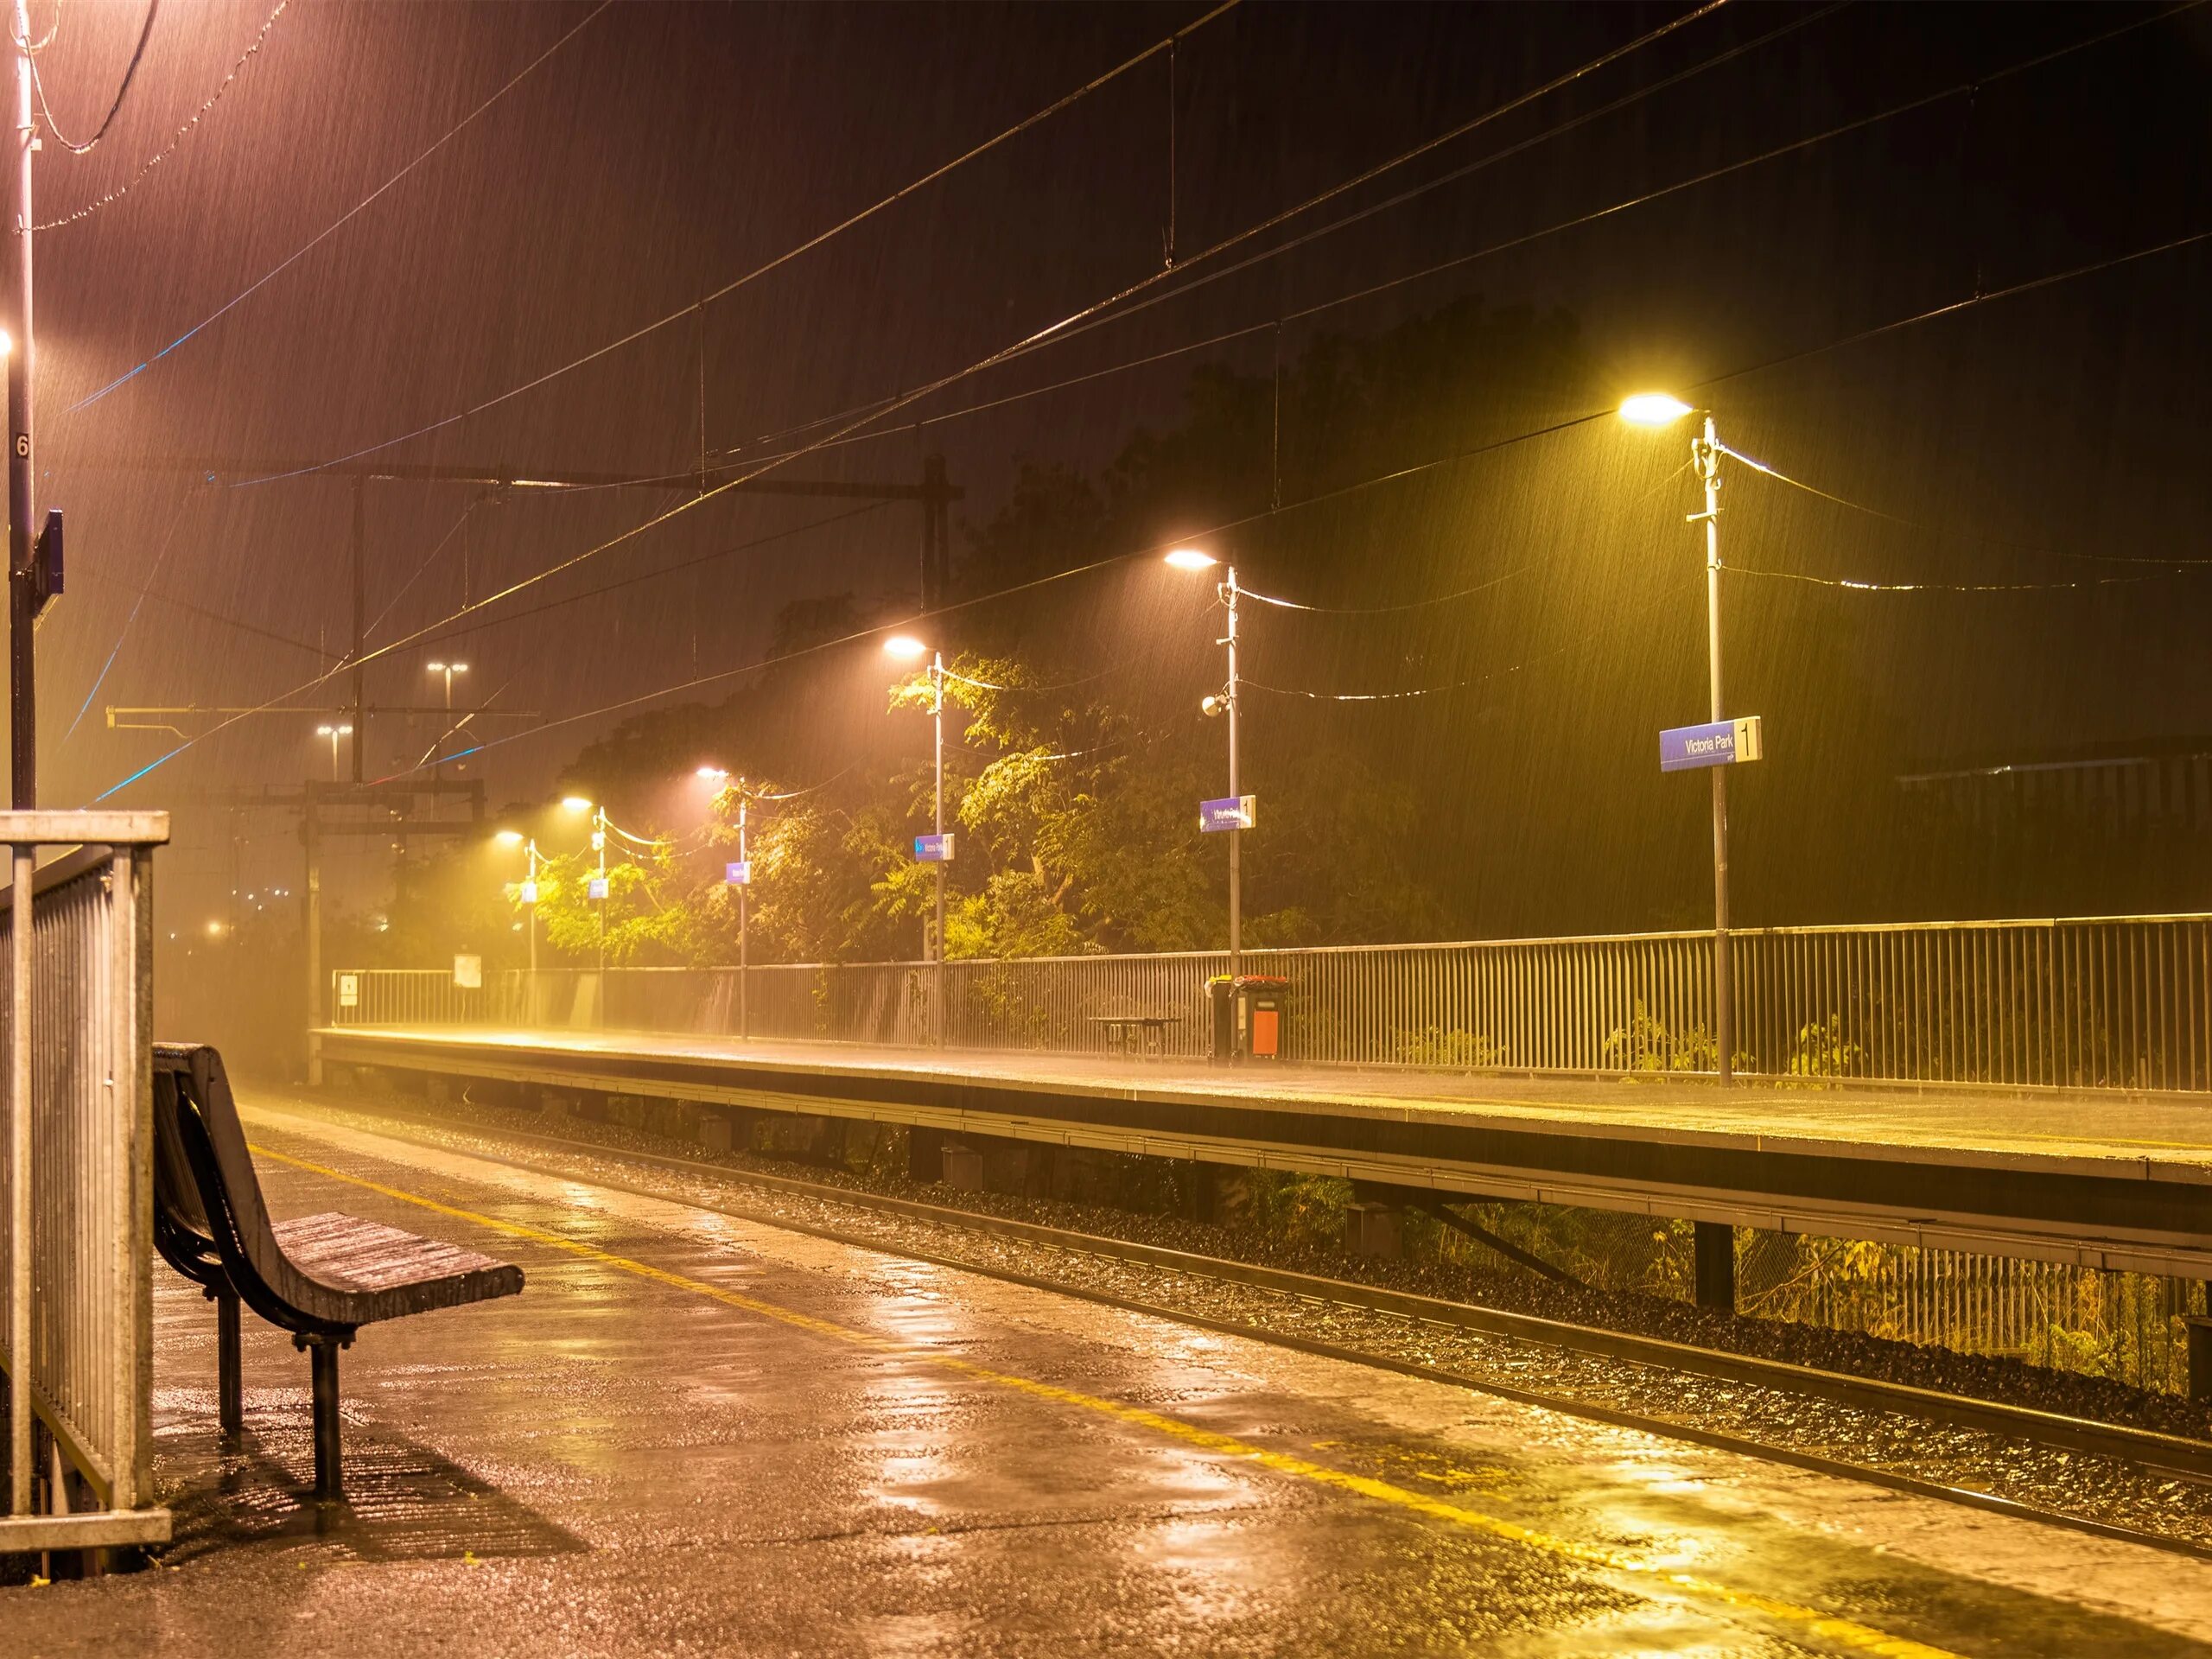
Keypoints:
pixel 333 733
pixel 529 895
pixel 907 649
pixel 1656 408
pixel 1225 703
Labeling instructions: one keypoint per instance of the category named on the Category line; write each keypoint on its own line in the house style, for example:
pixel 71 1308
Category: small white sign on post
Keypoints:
pixel 468 973
pixel 349 990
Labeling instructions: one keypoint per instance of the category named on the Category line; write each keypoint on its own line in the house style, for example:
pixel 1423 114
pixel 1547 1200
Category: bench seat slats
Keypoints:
pixel 367 1257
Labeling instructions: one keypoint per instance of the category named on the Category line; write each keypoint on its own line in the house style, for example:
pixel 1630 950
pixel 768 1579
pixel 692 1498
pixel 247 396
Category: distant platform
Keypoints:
pixel 2096 1179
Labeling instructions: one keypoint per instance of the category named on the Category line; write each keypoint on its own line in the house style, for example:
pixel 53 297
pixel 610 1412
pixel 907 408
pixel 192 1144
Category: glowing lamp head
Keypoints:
pixel 509 837
pixel 906 648
pixel 433 668
pixel 712 774
pixel 575 803
pixel 7 342
pixel 1653 409
pixel 1191 558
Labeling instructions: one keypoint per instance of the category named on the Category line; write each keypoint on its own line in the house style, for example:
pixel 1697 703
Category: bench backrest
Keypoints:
pixel 210 1199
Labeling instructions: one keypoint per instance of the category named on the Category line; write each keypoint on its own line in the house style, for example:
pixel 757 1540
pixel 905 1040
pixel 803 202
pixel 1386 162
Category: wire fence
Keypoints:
pixel 2122 1003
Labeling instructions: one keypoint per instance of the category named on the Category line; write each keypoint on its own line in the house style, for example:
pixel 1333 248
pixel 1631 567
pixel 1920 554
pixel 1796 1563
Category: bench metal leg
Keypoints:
pixel 322 1360
pixel 230 1385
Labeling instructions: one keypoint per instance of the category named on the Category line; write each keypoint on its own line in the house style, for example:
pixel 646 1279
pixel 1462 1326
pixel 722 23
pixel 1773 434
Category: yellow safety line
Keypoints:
pixel 1842 1632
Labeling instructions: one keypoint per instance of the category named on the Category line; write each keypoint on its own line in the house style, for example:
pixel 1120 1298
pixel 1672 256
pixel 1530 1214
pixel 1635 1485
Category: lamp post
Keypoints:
pixel 908 648
pixel 1656 408
pixel 1191 558
pixel 448 669
pixel 529 844
pixel 333 733
pixel 718 776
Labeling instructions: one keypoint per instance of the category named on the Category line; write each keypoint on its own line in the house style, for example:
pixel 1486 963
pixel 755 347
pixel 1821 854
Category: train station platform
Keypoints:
pixel 2098 1180
pixel 697 1433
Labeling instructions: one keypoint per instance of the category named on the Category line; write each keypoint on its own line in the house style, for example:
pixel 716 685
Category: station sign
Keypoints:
pixel 469 972
pixel 1236 812
pixel 527 892
pixel 597 889
pixel 1720 743
pixel 349 990
pixel 933 849
pixel 738 873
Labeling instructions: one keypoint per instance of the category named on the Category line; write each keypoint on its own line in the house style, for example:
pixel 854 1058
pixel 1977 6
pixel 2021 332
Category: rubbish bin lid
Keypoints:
pixel 1265 982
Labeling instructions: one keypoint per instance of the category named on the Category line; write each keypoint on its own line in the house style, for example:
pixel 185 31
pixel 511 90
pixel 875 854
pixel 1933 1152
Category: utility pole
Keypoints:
pixel 936 974
pixel 744 891
pixel 1235 792
pixel 311 923
pixel 22 596
pixel 1706 453
pixel 360 626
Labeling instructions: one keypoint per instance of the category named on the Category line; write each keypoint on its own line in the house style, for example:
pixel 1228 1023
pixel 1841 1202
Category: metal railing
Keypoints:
pixel 76 1226
pixel 2119 1002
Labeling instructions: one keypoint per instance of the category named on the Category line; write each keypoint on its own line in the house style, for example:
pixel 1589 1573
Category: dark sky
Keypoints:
pixel 668 148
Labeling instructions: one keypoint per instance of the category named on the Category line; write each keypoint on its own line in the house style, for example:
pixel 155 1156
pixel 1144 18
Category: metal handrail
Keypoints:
pixel 2089 1002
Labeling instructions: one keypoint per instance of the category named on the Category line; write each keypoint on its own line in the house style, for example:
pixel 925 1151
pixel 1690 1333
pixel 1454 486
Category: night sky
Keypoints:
pixel 664 151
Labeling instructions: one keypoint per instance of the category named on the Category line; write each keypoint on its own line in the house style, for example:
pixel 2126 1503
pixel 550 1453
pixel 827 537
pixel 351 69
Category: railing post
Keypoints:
pixel 19 1185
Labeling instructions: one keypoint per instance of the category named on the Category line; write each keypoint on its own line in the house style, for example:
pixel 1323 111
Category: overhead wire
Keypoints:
pixel 1858 586
pixel 161 557
pixel 1551 430
pixel 358 207
pixel 656 574
pixel 884 404
pixel 1781 477
pixel 924 391
pixel 428 559
pixel 1385 610
pixel 1005 354
pixel 776 263
pixel 130 74
pixel 190 124
pixel 1576 222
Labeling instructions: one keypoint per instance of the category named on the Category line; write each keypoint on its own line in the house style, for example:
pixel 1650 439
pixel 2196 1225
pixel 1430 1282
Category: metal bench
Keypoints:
pixel 1136 1034
pixel 319 1277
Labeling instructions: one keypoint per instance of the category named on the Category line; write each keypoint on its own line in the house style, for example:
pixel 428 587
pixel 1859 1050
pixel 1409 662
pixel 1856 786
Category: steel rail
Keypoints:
pixel 2146 1448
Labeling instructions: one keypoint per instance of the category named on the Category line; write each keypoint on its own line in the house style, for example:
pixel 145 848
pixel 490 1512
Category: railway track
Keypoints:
pixel 2001 1434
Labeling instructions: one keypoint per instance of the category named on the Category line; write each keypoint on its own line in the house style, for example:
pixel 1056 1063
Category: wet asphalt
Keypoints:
pixel 697 1435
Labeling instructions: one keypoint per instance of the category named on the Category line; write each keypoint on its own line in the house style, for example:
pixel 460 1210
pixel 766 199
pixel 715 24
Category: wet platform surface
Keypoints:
pixel 696 1435
pixel 2104 1181
pixel 1975 1125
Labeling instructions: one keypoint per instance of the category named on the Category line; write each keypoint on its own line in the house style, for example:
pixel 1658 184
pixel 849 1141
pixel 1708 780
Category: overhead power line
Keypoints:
pixel 1781 477
pixel 130 74
pixel 783 258
pixel 992 361
pixel 1509 244
pixel 1855 585
pixel 743 478
pixel 1384 610
pixel 190 124
pixel 358 208
pixel 699 682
